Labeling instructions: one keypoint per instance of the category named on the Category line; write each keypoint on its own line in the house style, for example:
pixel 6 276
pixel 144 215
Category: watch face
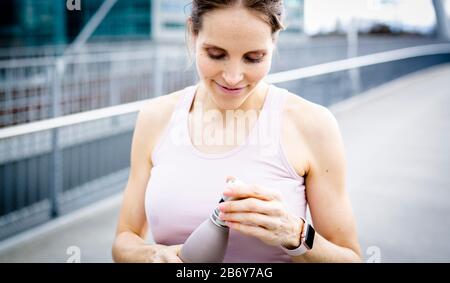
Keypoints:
pixel 309 238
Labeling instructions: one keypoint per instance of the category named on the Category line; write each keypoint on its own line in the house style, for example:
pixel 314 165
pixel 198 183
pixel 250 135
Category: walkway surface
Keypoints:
pixel 397 140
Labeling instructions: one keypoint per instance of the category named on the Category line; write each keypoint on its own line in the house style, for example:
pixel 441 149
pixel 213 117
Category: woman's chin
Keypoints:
pixel 227 104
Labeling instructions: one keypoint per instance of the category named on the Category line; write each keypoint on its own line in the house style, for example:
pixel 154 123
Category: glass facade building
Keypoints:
pixel 32 22
pixel 171 16
pixel 49 22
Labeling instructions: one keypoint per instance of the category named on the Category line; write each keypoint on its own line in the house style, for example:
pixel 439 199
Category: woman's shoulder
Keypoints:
pixel 154 116
pixel 312 121
pixel 156 112
pixel 160 108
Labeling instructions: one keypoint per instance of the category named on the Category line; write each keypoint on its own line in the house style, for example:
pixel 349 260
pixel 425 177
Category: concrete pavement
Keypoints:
pixel 397 140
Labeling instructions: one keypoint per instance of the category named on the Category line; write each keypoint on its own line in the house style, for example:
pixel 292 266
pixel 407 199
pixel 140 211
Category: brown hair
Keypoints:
pixel 271 11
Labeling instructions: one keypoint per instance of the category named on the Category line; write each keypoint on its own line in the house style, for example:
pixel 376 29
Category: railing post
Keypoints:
pixel 114 94
pixel 158 72
pixel 56 156
pixel 442 21
pixel 352 51
pixel 114 98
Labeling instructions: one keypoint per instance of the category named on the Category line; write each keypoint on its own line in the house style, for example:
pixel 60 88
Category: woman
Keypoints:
pixel 186 145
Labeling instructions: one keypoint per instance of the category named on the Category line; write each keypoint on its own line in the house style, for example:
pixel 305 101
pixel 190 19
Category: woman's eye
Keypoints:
pixel 254 60
pixel 248 59
pixel 216 56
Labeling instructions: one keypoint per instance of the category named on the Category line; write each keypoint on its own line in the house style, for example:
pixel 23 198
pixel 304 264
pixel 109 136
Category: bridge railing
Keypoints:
pixel 50 167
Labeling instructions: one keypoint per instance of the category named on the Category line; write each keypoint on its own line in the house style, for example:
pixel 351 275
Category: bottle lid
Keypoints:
pixel 215 215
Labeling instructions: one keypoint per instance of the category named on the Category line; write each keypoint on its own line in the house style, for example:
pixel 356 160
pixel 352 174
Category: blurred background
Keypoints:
pixel 73 75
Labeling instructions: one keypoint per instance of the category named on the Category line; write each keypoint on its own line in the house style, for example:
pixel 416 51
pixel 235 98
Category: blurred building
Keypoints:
pixel 48 22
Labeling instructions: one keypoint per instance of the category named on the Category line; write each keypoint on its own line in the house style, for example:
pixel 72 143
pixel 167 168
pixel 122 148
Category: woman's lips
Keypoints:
pixel 231 91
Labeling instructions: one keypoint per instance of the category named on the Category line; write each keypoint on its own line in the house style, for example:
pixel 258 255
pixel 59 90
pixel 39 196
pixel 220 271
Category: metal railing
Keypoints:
pixel 358 62
pixel 98 75
pixel 52 166
pixel 41 88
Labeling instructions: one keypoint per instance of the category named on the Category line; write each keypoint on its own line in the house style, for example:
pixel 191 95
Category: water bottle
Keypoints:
pixel 208 243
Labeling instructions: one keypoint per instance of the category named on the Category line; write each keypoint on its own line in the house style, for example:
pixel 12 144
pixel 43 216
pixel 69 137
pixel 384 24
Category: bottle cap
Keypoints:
pixel 215 216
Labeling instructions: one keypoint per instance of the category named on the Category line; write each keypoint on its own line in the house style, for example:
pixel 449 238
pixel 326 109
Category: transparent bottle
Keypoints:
pixel 209 241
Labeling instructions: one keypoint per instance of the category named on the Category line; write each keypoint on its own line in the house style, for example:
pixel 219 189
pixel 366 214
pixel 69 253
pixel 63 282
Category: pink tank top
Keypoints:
pixel 186 184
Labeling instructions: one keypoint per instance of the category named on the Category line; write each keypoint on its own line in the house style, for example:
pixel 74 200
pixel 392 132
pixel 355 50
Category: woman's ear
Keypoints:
pixel 275 37
pixel 189 25
pixel 191 36
pixel 190 28
pixel 190 39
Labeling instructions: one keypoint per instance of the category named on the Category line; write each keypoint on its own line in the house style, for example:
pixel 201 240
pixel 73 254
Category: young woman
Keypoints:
pixel 232 124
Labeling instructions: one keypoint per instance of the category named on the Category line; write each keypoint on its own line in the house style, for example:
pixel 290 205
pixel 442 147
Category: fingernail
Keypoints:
pixel 221 206
pixel 227 191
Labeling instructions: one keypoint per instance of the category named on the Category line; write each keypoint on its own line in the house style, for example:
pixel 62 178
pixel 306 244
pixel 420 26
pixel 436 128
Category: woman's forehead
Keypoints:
pixel 236 28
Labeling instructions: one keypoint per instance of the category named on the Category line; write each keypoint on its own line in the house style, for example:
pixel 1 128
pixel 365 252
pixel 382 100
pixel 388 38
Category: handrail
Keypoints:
pixel 306 72
pixel 72 119
pixel 110 56
pixel 361 61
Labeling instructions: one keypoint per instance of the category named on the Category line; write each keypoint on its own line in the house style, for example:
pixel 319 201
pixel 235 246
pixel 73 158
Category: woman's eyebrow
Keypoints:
pixel 207 45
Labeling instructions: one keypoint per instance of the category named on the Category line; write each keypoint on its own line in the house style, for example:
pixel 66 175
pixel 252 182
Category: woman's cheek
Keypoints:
pixel 205 67
pixel 259 71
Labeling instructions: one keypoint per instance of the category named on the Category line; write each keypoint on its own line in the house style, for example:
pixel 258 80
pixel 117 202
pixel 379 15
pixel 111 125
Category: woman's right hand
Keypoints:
pixel 167 254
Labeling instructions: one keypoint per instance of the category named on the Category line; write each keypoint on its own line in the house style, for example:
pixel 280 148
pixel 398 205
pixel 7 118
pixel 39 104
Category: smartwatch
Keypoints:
pixel 306 240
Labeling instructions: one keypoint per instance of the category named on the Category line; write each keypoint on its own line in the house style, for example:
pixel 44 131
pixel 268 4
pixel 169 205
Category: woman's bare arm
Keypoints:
pixel 129 244
pixel 336 238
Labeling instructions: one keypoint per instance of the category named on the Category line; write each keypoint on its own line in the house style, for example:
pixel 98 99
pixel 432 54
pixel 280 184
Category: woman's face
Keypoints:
pixel 233 54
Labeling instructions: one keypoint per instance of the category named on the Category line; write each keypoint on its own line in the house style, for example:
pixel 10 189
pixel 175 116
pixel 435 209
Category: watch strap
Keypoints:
pixel 302 248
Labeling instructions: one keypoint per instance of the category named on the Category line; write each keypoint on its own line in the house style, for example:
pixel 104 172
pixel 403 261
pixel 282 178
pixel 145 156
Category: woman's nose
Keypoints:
pixel 232 76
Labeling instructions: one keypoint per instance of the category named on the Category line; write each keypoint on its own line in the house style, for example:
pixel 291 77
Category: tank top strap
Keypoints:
pixel 277 101
pixel 188 98
pixel 269 132
pixel 176 134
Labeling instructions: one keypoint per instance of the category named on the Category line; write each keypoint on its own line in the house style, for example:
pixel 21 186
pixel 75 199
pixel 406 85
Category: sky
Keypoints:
pixel 411 15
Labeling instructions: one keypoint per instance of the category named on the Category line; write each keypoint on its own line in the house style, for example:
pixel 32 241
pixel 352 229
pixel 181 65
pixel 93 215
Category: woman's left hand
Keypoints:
pixel 259 212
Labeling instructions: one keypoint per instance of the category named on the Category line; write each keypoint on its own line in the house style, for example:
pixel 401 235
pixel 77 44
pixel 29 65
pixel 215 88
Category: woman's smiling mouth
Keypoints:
pixel 229 91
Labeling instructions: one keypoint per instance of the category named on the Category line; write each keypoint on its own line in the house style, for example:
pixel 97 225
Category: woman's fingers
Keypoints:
pixel 253 231
pixel 173 255
pixel 251 205
pixel 172 258
pixel 256 211
pixel 255 219
pixel 252 191
pixel 168 255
